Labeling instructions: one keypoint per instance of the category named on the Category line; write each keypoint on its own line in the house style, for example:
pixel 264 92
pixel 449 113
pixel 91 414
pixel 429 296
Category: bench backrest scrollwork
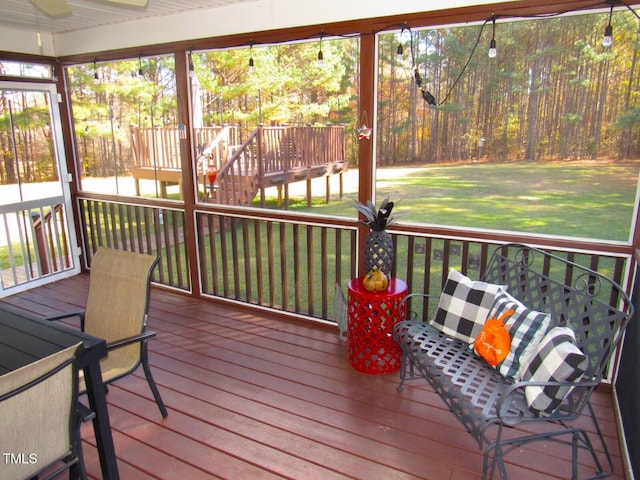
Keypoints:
pixel 595 307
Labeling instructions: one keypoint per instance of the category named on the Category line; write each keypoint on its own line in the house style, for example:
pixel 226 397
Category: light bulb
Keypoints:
pixel 399 53
pixel 492 49
pixel 607 40
pixel 251 65
pixel 320 61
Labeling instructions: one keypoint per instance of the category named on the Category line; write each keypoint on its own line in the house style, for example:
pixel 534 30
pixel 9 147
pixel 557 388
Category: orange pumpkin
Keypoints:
pixel 494 341
pixel 375 281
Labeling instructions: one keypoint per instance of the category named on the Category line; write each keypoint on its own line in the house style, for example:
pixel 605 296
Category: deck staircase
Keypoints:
pixel 238 180
pixel 272 156
pixel 237 173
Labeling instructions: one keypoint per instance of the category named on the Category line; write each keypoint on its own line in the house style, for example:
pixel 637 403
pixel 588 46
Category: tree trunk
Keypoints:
pixel 532 111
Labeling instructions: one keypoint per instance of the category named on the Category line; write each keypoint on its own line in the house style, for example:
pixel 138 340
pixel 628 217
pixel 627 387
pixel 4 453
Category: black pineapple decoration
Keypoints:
pixel 378 246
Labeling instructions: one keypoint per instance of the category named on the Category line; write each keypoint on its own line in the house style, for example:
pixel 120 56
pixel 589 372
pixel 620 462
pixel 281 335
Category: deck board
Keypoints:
pixel 251 395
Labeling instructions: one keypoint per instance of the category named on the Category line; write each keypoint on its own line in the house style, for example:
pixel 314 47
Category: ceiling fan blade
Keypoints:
pixel 133 3
pixel 53 8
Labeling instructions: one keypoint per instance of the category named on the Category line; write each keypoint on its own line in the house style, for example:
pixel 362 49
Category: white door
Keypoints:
pixel 37 235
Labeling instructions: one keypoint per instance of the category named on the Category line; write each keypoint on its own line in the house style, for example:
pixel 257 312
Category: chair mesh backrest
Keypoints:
pixel 38 420
pixel 595 308
pixel 118 302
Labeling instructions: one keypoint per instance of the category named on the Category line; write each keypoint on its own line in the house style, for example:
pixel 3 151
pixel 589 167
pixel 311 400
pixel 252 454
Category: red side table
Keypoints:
pixel 371 317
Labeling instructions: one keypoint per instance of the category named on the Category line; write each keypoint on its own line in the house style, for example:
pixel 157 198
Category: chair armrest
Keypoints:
pixel 129 340
pixel 84 413
pixel 74 313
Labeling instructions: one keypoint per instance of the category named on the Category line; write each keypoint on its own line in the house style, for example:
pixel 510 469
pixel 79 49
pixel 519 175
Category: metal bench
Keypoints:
pixel 596 308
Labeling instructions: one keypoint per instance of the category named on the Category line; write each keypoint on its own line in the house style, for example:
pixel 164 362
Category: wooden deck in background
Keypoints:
pixel 252 396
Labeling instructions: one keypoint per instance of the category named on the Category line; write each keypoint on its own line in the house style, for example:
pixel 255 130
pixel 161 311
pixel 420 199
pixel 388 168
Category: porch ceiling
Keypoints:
pixel 87 14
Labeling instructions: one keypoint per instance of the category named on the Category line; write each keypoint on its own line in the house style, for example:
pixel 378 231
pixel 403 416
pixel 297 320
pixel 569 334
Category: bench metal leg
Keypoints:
pixel 403 371
pixel 579 441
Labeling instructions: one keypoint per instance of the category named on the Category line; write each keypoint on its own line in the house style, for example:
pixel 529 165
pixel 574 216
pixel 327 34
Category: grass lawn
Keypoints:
pixel 592 199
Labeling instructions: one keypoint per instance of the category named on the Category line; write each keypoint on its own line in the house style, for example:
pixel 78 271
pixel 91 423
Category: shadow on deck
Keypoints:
pixel 251 395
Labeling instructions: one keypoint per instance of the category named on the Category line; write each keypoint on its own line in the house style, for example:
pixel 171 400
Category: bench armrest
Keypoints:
pixel 413 315
pixel 510 401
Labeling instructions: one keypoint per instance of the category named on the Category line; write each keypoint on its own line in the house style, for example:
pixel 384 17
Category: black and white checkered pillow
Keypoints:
pixel 464 306
pixel 526 329
pixel 558 359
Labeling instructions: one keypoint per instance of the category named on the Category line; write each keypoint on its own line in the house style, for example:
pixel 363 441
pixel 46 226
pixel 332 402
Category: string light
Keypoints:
pixel 607 40
pixel 492 53
pixel 400 49
pixel 320 55
pixel 492 45
pixel 251 64
pixel 96 77
pixel 140 72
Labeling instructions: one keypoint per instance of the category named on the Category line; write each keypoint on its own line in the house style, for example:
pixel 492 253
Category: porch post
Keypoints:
pixel 366 146
pixel 187 152
pixel 73 166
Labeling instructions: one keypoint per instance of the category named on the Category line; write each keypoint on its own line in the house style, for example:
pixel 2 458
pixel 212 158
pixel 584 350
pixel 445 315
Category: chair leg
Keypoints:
pixel 84 414
pixel 151 381
pixel 76 472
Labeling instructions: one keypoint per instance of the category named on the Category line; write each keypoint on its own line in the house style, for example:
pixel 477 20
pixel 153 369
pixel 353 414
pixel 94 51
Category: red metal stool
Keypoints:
pixel 371 317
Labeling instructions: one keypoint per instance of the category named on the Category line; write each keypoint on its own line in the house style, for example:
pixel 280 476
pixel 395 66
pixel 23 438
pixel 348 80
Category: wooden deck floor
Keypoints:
pixel 252 396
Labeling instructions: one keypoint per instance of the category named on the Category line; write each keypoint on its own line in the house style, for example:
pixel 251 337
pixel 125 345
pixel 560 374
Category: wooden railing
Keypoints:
pixel 159 147
pixel 288 262
pixel 215 141
pixel 50 235
pixel 283 148
pixel 139 228
pixel 285 265
pixel 291 148
pixel 275 156
pixel 155 148
pixel 214 151
pixel 35 236
pixel 237 177
pixel 269 156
